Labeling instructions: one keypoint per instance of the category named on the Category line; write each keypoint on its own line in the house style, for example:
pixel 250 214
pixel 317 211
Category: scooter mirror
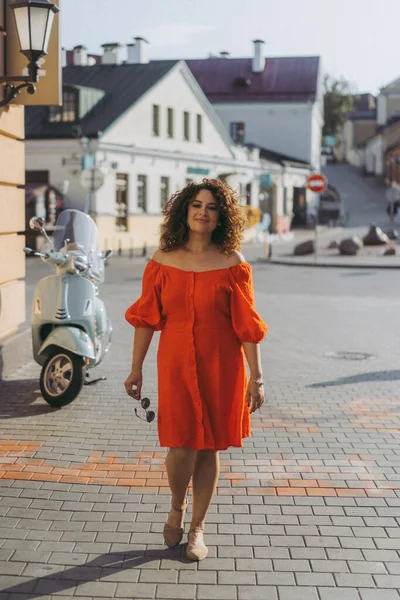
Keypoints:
pixel 36 223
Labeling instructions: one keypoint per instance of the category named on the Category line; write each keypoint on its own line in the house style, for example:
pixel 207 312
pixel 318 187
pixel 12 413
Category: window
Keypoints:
pixel 248 194
pixel 156 119
pixel 142 193
pixel 285 201
pixel 186 128
pixel 164 191
pixel 121 202
pixel 67 113
pixel 170 120
pixel 237 132
pixel 199 128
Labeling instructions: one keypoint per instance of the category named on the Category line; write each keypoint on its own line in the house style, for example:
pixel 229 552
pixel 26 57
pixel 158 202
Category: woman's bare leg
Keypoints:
pixel 180 464
pixel 205 478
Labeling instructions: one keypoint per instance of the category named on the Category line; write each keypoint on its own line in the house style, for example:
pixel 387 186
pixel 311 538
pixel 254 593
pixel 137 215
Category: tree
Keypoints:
pixel 338 101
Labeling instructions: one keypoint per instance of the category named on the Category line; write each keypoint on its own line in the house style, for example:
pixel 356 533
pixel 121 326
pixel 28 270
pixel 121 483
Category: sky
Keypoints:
pixel 356 39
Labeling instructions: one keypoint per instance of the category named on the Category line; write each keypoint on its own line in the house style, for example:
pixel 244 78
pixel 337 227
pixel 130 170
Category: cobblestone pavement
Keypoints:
pixel 309 508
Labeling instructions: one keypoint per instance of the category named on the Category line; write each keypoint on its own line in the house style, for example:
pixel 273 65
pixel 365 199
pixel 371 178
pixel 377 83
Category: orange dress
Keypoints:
pixel 204 318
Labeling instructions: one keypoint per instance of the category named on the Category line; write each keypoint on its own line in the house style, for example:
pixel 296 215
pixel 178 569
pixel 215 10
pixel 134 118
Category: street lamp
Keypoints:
pixel 33 20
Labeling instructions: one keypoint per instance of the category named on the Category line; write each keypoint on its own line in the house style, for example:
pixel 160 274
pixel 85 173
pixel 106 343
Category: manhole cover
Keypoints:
pixel 350 355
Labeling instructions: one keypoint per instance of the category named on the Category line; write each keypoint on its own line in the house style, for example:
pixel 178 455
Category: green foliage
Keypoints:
pixel 338 100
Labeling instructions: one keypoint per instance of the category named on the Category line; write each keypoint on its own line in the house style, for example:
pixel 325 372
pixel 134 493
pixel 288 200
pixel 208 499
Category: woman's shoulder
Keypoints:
pixel 163 258
pixel 235 258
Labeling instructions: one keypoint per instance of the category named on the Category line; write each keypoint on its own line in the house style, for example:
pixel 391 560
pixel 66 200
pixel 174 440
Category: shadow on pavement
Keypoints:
pixel 93 571
pixel 361 378
pixel 17 398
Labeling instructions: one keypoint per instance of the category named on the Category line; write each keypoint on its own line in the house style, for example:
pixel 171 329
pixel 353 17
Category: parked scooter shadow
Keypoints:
pixel 17 399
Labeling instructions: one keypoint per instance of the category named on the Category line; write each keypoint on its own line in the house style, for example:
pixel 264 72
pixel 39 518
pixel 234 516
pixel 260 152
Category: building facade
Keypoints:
pixel 12 212
pixel 276 103
pixel 149 130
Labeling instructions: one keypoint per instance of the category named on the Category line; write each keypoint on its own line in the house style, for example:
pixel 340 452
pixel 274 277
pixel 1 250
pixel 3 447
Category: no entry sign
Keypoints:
pixel 316 182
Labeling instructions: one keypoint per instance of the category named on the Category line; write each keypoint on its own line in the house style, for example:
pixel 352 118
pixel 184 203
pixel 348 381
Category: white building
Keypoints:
pixel 149 129
pixel 276 103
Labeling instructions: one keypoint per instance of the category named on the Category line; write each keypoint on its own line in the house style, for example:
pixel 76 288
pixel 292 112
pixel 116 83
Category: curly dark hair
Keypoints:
pixel 232 219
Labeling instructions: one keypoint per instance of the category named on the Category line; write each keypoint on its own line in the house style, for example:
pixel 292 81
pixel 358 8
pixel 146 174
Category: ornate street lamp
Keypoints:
pixel 33 20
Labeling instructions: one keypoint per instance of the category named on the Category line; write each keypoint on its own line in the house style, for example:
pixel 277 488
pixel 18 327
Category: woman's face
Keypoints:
pixel 203 213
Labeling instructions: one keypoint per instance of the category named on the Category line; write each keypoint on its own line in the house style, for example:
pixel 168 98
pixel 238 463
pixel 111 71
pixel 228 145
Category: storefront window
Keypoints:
pixel 142 193
pixel 121 207
pixel 164 191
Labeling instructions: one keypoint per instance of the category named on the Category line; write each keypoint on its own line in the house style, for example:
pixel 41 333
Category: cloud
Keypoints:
pixel 176 34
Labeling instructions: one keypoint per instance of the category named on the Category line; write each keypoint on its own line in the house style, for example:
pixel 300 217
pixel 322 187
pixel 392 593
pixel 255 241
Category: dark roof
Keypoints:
pixel 123 85
pixel 364 102
pixel 278 157
pixel 232 80
pixel 362 115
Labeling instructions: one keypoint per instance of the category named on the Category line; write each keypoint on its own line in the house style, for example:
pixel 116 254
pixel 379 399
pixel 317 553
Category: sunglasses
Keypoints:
pixel 150 414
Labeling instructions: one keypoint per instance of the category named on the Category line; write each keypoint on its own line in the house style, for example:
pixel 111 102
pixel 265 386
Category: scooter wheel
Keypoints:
pixel 62 377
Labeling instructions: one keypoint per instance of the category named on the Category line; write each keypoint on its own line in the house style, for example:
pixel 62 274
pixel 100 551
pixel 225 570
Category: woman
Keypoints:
pixel 198 290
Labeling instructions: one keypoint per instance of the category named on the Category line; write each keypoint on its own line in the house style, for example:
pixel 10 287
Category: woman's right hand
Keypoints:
pixel 133 383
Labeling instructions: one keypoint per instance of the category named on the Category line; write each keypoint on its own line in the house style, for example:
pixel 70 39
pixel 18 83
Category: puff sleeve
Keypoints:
pixel 247 324
pixel 147 310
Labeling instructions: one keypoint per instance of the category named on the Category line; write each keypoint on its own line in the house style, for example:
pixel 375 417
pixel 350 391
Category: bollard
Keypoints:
pixel 144 250
pixel 119 248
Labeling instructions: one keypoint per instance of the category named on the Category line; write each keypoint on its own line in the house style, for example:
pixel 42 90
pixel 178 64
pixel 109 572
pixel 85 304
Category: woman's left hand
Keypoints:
pixel 255 396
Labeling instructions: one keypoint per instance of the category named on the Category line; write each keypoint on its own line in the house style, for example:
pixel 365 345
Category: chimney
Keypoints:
pixel 63 57
pixel 224 54
pixel 111 54
pixel 137 52
pixel 258 58
pixel 80 56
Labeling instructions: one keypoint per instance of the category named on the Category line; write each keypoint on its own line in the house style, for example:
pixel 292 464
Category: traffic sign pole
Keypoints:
pixel 317 183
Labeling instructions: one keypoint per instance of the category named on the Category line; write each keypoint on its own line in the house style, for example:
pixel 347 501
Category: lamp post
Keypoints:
pixel 33 20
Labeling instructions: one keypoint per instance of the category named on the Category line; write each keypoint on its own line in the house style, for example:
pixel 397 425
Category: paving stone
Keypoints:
pixel 315 579
pixel 21 585
pixel 259 592
pixel 255 564
pixel 380 555
pixel 217 564
pixel 135 590
pixel 101 589
pixel 63 558
pixel 358 566
pixel 153 576
pixel 11 568
pixel 123 574
pixel 353 580
pixel 388 581
pixel 198 577
pixel 379 595
pixel 31 556
pixel 237 578
pixel 329 566
pixel 339 594
pixel 216 592
pixel 276 578
pixel 305 593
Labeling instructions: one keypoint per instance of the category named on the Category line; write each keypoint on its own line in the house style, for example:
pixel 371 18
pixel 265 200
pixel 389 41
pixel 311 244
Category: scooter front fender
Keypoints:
pixel 69 338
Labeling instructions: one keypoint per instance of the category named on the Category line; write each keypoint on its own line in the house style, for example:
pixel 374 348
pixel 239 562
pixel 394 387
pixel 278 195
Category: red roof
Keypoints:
pixel 232 80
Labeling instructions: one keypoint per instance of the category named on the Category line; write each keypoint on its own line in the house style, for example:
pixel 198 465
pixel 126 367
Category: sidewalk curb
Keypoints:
pixel 336 265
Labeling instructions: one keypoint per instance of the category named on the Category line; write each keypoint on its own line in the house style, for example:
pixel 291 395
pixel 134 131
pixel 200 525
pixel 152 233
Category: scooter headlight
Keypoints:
pixel 81 263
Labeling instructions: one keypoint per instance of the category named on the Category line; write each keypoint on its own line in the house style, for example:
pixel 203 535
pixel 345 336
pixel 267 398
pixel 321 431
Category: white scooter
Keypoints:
pixel 70 328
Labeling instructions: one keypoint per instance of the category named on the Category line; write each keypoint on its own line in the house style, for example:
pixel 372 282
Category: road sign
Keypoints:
pixel 91 179
pixel 316 182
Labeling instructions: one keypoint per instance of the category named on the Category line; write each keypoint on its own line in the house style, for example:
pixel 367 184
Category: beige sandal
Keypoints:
pixel 196 548
pixel 173 535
